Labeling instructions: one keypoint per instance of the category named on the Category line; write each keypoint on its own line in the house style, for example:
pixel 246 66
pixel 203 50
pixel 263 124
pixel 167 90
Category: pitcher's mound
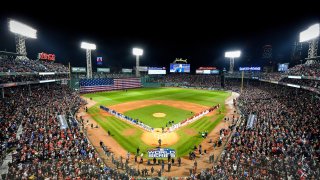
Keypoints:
pixel 159 115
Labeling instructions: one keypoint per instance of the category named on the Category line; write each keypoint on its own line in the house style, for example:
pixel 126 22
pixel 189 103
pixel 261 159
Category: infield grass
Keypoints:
pixel 145 115
pixel 131 142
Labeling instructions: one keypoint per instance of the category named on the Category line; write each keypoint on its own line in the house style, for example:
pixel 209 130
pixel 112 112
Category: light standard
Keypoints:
pixel 232 55
pixel 311 35
pixel 22 32
pixel 88 47
pixel 137 52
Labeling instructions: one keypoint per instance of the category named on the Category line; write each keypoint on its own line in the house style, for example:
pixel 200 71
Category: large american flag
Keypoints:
pixel 108 84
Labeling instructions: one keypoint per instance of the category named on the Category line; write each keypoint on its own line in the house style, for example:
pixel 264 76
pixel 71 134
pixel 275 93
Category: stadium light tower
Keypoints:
pixel 22 32
pixel 232 55
pixel 137 52
pixel 88 47
pixel 311 35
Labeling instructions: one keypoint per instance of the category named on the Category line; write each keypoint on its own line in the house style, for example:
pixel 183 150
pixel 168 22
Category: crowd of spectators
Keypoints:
pixel 42 149
pixel 275 76
pixel 283 142
pixel 189 80
pixel 14 65
pixel 305 70
pixel 23 78
pixel 302 82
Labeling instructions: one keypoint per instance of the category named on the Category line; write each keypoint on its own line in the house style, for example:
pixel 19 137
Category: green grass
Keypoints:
pixel 145 115
pixel 131 142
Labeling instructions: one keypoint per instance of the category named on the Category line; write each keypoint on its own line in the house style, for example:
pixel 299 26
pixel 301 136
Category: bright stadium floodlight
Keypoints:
pixel 22 29
pixel 311 33
pixel 22 32
pixel 232 55
pixel 137 52
pixel 88 47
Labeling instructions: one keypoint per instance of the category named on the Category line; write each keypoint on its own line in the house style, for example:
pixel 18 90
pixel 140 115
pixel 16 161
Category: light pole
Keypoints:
pixel 22 32
pixel 311 35
pixel 232 55
pixel 88 47
pixel 137 52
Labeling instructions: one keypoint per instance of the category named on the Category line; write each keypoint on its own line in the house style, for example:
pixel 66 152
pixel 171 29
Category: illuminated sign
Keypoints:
pixel 161 153
pixel 45 56
pixel 99 60
pixel 78 69
pixel 207 71
pixel 249 68
pixel 157 70
pixel 283 67
pixel 207 68
pixel 124 70
pixel 143 68
pixel 106 70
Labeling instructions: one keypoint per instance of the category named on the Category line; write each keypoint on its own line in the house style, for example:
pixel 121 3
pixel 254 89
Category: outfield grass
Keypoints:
pixel 131 142
pixel 145 115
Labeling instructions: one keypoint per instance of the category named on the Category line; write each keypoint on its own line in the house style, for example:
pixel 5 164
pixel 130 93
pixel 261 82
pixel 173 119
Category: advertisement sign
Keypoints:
pixel 45 56
pixel 179 68
pixel 124 70
pixel 143 68
pixel 207 71
pixel 157 70
pixel 99 60
pixel 283 67
pixel 249 68
pixel 161 153
pixel 214 71
pixel 207 68
pixel 78 69
pixel 106 70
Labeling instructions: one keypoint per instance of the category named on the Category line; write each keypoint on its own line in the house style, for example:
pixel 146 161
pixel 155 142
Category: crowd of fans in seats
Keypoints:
pixel 190 80
pixel 14 65
pixel 283 143
pixel 305 70
pixel 233 84
pixel 302 82
pixel 275 76
pixel 103 75
pixel 23 78
pixel 42 149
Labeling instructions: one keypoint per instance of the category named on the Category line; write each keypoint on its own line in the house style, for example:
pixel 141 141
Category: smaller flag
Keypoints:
pixel 99 60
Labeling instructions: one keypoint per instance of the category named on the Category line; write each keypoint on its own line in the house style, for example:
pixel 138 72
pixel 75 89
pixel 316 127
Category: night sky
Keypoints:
pixel 200 33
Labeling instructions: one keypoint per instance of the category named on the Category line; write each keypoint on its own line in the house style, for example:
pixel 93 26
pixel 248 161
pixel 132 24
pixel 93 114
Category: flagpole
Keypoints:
pixel 69 71
pixel 242 81
pixel 70 75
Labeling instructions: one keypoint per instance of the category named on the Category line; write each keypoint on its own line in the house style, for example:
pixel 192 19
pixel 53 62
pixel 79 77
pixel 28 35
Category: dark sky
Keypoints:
pixel 200 33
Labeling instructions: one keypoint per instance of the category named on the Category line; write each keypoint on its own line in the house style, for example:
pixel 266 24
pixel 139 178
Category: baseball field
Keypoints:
pixel 158 107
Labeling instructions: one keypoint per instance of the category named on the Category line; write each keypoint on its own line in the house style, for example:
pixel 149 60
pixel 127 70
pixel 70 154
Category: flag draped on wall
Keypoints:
pixel 108 84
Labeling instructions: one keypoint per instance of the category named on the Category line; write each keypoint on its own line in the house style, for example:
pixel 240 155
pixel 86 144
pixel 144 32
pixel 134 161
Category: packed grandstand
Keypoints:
pixel 275 134
pixel 283 143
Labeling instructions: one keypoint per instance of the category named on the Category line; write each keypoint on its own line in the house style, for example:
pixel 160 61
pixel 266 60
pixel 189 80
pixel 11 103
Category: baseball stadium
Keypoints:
pixel 175 120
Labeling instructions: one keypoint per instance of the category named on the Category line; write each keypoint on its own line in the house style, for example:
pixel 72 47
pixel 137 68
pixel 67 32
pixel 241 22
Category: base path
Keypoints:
pixel 167 139
pixel 97 134
pixel 127 106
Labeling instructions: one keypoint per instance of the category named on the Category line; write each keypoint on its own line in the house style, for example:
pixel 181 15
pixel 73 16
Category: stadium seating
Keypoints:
pixel 283 143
